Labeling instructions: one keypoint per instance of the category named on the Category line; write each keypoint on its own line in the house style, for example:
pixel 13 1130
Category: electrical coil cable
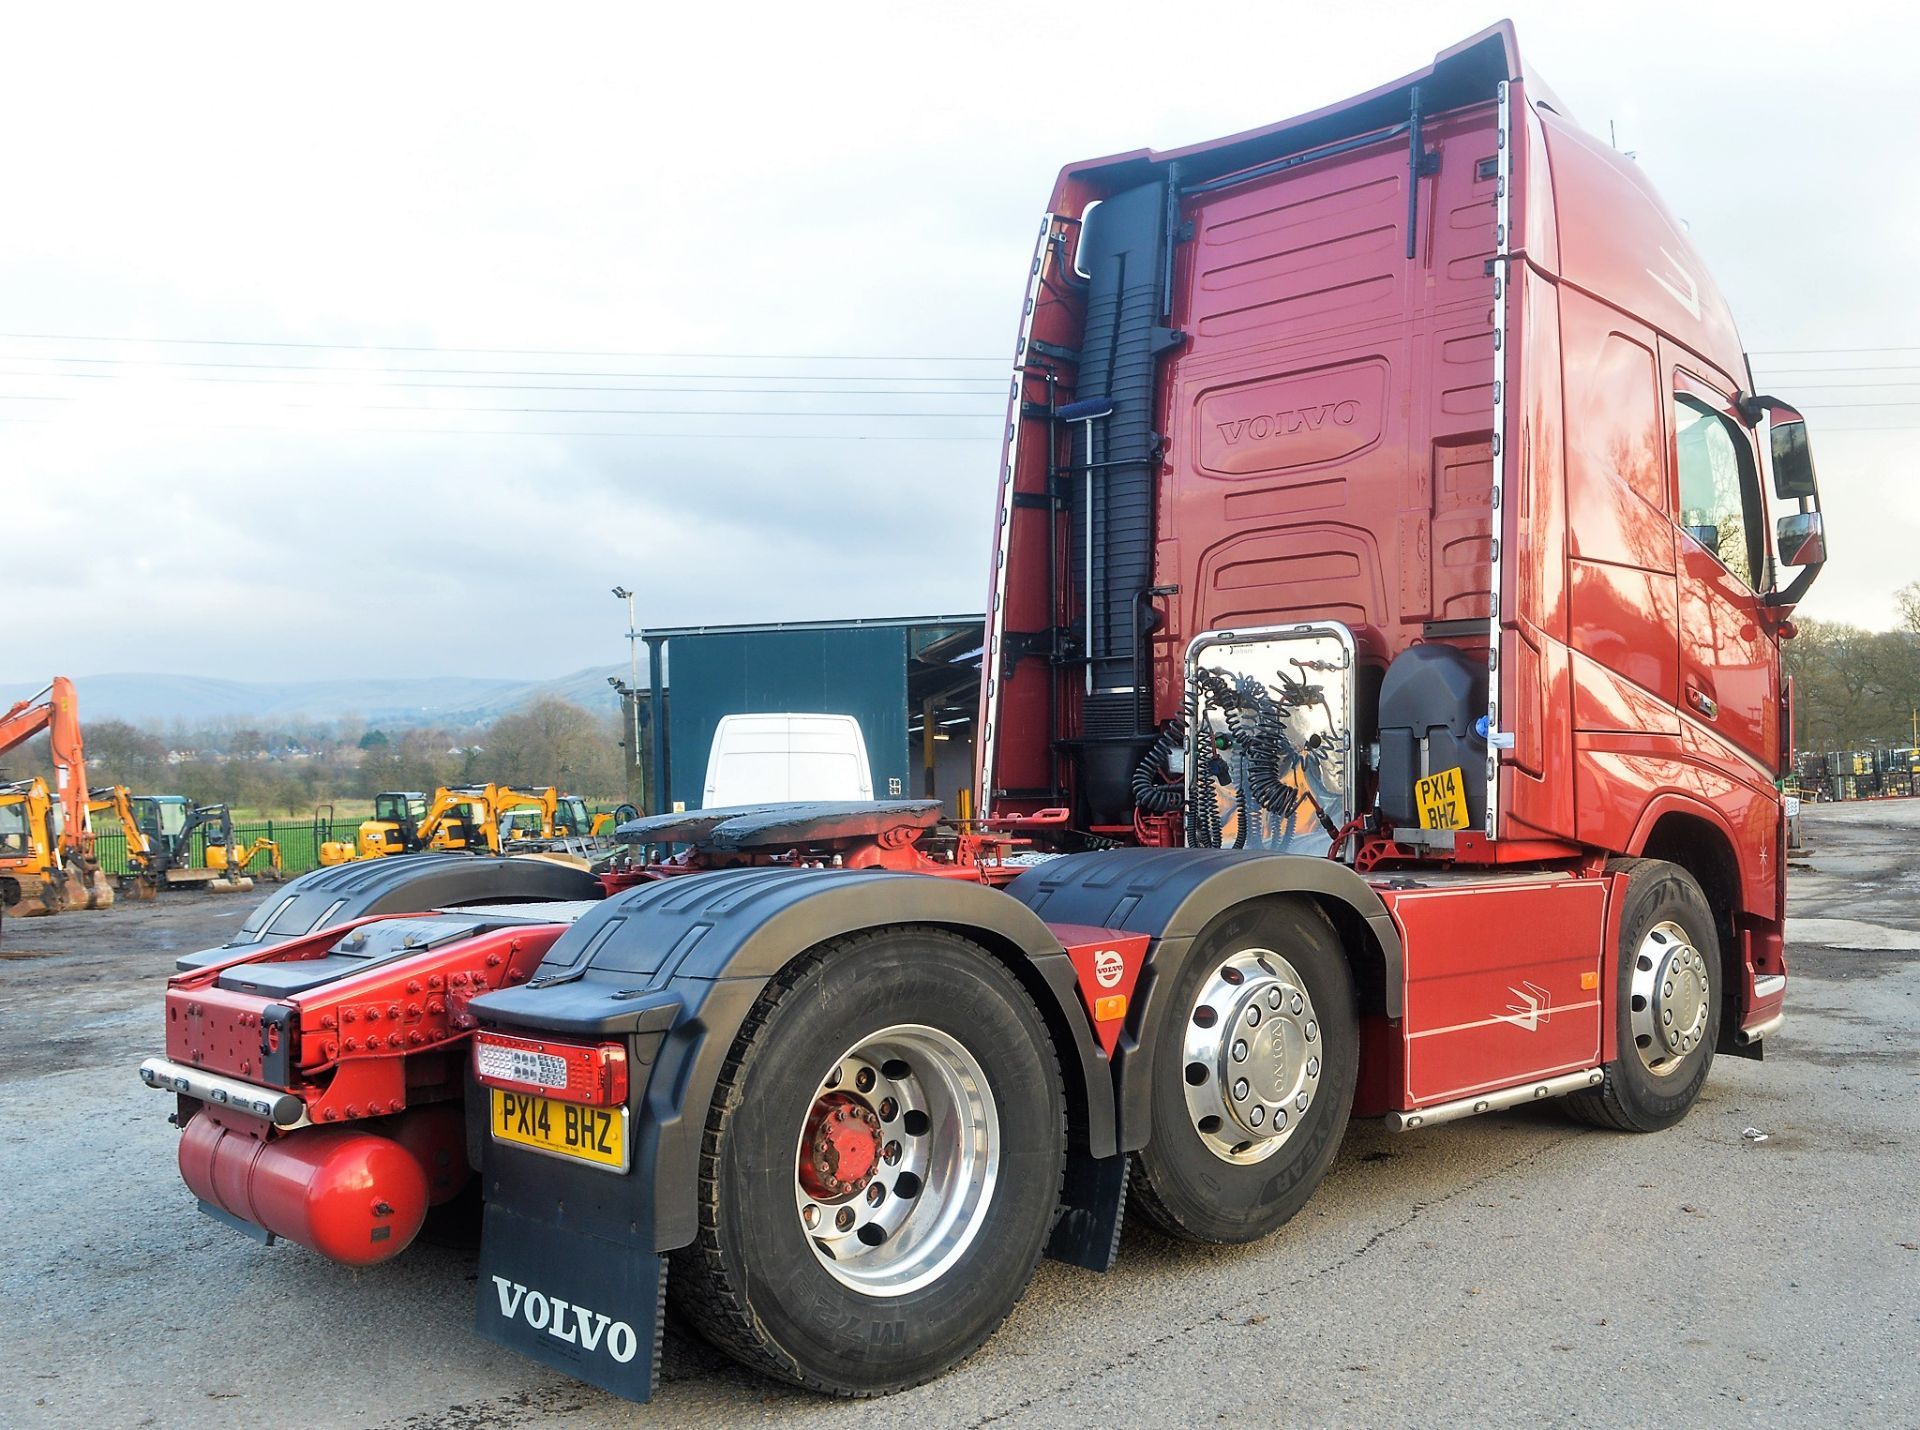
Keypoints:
pixel 1261 765
pixel 1211 692
pixel 1151 792
pixel 1270 754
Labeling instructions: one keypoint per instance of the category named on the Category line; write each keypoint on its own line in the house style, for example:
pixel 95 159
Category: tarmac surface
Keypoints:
pixel 1509 1269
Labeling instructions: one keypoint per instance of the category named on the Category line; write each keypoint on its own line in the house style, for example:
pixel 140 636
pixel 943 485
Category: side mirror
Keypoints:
pixel 1793 478
pixel 1800 538
pixel 1792 459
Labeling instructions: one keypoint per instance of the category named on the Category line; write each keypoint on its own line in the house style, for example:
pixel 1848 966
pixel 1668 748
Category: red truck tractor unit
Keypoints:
pixel 1381 717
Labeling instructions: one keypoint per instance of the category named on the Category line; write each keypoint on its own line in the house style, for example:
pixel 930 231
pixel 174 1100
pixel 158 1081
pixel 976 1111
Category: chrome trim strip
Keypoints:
pixel 1494 1101
pixel 1497 512
pixel 1768 985
pixel 990 667
pixel 282 1109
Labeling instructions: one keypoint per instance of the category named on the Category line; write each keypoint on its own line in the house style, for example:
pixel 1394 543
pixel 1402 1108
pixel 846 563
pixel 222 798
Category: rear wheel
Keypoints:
pixel 881 1165
pixel 1253 1075
pixel 1666 1003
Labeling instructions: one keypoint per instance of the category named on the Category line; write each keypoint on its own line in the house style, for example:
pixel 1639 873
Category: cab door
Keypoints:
pixel 1729 672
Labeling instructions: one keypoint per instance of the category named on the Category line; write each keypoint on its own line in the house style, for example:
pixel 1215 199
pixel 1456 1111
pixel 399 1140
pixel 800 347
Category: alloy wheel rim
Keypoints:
pixel 896 1160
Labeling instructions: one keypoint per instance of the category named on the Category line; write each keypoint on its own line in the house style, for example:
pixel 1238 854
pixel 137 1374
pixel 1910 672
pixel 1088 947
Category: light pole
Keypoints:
pixel 621 593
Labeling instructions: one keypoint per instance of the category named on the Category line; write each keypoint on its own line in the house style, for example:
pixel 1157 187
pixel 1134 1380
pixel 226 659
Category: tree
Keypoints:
pixel 555 742
pixel 1853 688
pixel 375 740
pixel 122 754
pixel 1907 598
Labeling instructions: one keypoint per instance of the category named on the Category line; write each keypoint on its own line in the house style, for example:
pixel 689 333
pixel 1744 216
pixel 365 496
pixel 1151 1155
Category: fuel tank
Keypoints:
pixel 351 1196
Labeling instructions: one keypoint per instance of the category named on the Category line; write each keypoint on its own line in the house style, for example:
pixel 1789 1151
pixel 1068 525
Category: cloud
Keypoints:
pixel 747 180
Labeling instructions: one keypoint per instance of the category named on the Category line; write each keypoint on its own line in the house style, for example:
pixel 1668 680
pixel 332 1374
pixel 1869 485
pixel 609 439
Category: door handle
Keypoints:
pixel 1705 704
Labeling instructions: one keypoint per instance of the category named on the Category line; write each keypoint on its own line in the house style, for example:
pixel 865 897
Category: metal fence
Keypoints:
pixel 299 841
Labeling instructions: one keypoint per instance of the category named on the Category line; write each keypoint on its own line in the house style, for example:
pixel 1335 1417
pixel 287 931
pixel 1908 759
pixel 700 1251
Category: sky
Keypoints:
pixel 284 285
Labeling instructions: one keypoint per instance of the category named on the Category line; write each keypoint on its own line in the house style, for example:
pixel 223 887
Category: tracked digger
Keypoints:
pixel 160 830
pixel 484 818
pixel 47 862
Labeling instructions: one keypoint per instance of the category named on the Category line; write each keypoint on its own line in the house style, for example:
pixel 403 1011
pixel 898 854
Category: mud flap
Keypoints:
pixel 1093 1208
pixel 587 1307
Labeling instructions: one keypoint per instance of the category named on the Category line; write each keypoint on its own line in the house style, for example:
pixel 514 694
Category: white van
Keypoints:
pixel 767 759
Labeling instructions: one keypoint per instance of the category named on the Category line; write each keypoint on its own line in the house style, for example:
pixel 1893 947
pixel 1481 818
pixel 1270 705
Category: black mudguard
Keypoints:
pixel 402 884
pixel 1172 894
pixel 673 968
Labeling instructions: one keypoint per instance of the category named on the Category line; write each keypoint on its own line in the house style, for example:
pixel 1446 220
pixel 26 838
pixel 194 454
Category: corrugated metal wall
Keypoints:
pixel 857 672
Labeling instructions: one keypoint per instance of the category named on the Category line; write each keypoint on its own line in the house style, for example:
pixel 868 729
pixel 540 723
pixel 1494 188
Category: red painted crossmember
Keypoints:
pixel 1107 963
pixel 593 1073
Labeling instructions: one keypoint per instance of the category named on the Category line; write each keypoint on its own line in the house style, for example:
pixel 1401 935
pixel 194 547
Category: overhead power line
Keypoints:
pixel 480 371
pixel 995 388
pixel 509 351
pixel 308 433
pixel 1825 352
pixel 566 411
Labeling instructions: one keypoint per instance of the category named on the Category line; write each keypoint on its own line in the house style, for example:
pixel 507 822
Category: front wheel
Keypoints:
pixel 1253 1075
pixel 881 1165
pixel 1667 999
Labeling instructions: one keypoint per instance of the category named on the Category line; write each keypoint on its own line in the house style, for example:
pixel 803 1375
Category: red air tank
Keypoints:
pixel 351 1196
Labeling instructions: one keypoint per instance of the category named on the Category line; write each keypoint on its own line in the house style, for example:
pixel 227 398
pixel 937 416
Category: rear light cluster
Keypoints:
pixel 593 1073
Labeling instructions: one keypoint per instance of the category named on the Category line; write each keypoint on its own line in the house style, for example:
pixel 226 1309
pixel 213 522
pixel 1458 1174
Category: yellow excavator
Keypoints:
pixel 39 872
pixel 47 861
pixel 492 817
pixel 160 831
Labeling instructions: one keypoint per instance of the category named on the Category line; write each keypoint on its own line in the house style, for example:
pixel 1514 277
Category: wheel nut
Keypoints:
pixel 1300 1102
pixel 1273 998
pixel 1240 1090
pixel 864 1079
pixel 1298 1003
pixel 1257 1116
pixel 843 1219
pixel 1240 1052
pixel 1313 1067
pixel 1313 1030
pixel 810 1216
pixel 1253 1016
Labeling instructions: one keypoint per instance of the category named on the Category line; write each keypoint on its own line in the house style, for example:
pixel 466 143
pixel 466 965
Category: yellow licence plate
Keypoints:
pixel 562 1129
pixel 1442 800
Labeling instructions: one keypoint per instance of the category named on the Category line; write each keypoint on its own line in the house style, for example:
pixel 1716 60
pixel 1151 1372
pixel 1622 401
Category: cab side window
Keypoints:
pixel 1715 480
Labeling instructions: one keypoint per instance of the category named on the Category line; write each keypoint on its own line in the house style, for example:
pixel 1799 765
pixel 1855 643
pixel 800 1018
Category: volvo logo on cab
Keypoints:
pixel 1288 421
pixel 564 1321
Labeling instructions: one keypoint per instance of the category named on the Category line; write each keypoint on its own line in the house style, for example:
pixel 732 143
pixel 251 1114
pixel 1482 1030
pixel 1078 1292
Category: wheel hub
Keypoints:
pixel 1671 998
pixel 896 1160
pixel 842 1147
pixel 1252 1056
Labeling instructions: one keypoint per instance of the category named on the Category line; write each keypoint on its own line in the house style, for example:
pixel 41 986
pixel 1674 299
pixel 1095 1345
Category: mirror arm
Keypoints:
pixel 1796 589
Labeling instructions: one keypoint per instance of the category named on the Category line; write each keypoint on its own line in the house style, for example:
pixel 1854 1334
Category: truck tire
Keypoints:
pixel 881 1165
pixel 1666 1003
pixel 1253 1075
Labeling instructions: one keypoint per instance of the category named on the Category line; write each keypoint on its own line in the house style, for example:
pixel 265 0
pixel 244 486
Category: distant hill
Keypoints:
pixel 158 700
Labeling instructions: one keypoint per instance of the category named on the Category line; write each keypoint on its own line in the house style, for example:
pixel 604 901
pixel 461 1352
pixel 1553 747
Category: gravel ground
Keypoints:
pixel 1507 1269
